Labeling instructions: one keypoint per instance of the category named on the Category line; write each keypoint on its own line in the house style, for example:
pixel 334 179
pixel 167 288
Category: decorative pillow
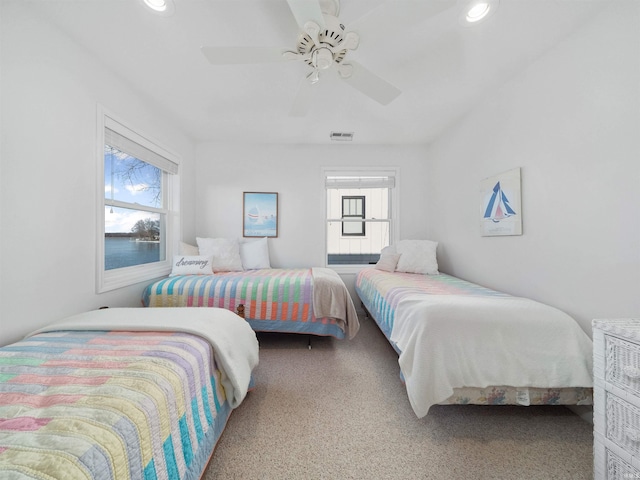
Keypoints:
pixel 417 256
pixel 192 265
pixel 187 249
pixel 388 262
pixel 388 249
pixel 255 254
pixel 225 253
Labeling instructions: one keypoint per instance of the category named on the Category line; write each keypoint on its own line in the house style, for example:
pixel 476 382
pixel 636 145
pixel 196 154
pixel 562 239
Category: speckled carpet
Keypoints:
pixel 340 411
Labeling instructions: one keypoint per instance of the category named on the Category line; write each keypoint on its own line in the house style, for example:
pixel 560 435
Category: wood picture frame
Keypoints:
pixel 260 214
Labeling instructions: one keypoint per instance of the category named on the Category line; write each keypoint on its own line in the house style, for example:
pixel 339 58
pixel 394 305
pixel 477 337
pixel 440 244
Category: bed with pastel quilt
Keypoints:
pixel 237 275
pixel 122 393
pixel 462 343
pixel 295 300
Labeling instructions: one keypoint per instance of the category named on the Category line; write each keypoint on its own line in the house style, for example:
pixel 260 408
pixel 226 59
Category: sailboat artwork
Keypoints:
pixel 260 214
pixel 253 215
pixel 501 204
pixel 498 207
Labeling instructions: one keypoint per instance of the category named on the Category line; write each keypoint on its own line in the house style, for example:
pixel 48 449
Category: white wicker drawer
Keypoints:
pixel 618 469
pixel 611 462
pixel 622 364
pixel 623 424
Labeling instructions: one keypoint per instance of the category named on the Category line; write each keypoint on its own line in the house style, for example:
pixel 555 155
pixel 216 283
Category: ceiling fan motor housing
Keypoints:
pixel 332 35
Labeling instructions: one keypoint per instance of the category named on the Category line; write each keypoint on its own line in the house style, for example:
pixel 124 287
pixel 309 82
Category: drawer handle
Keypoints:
pixel 633 435
pixel 632 372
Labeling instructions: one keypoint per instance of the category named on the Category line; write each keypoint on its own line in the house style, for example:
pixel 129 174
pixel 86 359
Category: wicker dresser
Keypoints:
pixel 616 397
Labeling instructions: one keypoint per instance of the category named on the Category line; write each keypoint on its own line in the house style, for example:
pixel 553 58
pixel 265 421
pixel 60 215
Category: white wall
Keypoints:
pixel 571 121
pixel 225 171
pixel 50 89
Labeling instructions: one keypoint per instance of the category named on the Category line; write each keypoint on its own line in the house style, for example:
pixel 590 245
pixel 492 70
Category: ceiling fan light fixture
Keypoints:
pixel 322 58
pixel 351 41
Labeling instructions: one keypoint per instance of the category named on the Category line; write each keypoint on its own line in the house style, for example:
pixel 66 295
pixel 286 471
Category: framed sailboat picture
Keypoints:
pixel 260 214
pixel 501 204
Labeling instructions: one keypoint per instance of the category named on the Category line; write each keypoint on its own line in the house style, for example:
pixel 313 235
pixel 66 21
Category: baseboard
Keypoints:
pixel 585 412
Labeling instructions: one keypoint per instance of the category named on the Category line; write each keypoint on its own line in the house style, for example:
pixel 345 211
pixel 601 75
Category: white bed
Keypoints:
pixel 453 335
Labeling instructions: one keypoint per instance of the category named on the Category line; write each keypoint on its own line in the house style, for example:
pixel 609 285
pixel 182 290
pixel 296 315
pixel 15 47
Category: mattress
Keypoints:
pixel 459 342
pixel 80 404
pixel 271 300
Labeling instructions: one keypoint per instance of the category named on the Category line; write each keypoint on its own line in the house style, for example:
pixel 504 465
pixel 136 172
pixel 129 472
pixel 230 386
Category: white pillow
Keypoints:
pixel 255 254
pixel 225 253
pixel 417 256
pixel 187 249
pixel 388 249
pixel 191 265
pixel 388 262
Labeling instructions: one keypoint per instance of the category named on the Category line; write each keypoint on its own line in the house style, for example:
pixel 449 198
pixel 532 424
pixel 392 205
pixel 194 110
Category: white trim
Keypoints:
pixel 119 204
pixel 363 181
pixel 359 220
pixel 107 280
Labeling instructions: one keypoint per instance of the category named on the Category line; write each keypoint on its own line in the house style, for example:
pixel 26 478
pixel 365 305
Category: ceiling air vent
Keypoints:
pixel 341 136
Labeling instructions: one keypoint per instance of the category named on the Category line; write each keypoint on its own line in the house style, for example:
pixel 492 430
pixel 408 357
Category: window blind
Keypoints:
pixel 135 149
pixel 360 182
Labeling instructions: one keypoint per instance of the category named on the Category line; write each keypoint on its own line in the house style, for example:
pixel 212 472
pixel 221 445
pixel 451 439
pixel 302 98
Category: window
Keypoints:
pixel 138 178
pixel 360 215
pixel 353 207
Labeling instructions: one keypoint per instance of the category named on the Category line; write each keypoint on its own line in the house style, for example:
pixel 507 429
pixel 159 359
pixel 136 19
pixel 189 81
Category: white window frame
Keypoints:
pixel 394 207
pixel 107 280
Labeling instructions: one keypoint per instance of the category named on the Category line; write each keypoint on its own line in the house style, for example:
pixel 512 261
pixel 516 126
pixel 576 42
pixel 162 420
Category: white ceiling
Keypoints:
pixel 442 67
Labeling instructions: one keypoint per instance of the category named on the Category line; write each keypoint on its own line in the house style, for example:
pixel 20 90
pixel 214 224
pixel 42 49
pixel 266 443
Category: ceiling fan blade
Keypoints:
pixel 306 11
pixel 303 99
pixel 368 83
pixel 244 55
pixel 393 16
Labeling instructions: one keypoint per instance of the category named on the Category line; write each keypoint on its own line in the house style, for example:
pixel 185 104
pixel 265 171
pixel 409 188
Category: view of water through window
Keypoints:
pixel 132 235
pixel 128 251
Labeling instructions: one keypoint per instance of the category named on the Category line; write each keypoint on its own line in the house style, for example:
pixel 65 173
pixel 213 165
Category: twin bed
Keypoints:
pixel 122 394
pixel 461 343
pixel 305 300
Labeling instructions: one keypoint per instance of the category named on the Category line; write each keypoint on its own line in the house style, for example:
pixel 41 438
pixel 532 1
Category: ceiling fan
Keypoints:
pixel 324 45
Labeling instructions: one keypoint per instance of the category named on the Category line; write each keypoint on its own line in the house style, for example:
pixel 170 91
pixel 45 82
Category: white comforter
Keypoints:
pixel 234 343
pixel 449 341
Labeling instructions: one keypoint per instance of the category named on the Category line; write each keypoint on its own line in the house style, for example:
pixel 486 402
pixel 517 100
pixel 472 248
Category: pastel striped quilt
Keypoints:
pixel 277 300
pixel 381 291
pixel 109 405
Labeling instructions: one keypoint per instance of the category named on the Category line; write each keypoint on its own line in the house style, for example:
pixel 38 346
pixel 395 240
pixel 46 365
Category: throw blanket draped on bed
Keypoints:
pixel 330 301
pixel 452 334
pixel 235 344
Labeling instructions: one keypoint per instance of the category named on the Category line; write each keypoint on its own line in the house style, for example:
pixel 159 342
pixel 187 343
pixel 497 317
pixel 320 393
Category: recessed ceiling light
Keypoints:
pixel 163 7
pixel 478 10
pixel 157 5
